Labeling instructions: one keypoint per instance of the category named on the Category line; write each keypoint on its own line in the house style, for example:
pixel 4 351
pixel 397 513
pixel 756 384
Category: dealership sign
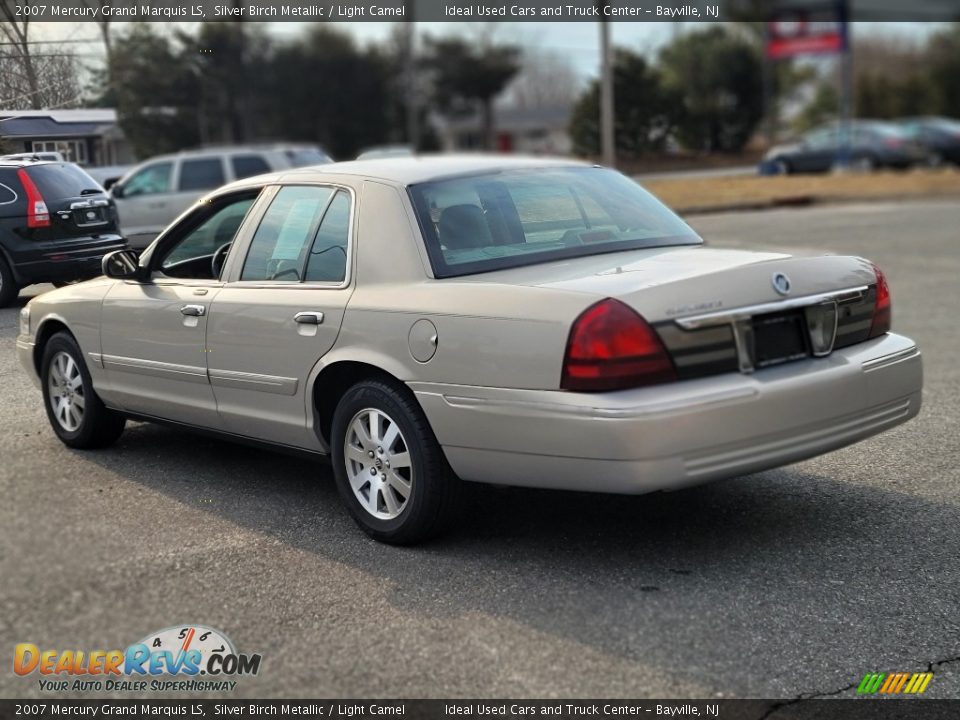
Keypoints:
pixel 806 29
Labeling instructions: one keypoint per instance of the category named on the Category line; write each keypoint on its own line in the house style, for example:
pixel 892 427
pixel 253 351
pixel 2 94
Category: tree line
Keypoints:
pixel 232 82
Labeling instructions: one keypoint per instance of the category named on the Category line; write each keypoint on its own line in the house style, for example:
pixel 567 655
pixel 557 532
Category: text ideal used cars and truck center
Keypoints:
pixel 431 321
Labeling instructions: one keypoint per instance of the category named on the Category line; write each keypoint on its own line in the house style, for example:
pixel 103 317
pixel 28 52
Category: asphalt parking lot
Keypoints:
pixel 781 584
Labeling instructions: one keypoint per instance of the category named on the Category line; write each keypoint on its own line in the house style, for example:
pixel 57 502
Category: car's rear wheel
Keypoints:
pixel 8 285
pixel 77 415
pixel 389 467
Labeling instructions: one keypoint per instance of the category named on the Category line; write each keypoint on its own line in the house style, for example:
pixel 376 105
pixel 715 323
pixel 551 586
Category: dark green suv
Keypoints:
pixel 56 224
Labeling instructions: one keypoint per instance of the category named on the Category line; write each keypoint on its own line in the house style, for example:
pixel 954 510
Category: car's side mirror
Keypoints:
pixel 122 265
pixel 116 190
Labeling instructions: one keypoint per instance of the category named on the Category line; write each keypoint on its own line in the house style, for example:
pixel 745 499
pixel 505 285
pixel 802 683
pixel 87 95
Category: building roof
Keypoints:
pixel 56 123
pixel 92 115
pixel 45 127
pixel 517 119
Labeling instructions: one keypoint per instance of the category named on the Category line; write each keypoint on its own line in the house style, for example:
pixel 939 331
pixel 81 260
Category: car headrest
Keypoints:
pixel 464 226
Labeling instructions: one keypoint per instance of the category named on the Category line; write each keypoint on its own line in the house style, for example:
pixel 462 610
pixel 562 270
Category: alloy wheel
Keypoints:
pixel 66 397
pixel 378 464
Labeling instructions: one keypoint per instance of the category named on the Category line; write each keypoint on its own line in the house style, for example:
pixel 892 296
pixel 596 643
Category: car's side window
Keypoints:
pixel 201 174
pixel 819 139
pixel 279 248
pixel 151 180
pixel 245 166
pixel 328 255
pixel 191 257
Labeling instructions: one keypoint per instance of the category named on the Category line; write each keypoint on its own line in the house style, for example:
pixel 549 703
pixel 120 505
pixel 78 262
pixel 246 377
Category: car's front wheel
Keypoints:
pixel 389 467
pixel 76 413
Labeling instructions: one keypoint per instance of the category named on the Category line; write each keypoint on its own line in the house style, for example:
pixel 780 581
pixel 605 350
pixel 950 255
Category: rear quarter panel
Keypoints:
pixel 488 334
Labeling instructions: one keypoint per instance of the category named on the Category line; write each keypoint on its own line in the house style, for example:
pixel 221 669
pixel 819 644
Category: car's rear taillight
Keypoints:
pixel 612 348
pixel 881 307
pixel 37 214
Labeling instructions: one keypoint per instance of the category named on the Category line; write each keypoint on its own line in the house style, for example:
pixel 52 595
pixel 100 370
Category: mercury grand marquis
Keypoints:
pixel 427 322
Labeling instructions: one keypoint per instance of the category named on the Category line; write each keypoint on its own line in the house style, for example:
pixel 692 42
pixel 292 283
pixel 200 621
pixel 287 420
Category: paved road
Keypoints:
pixel 796 581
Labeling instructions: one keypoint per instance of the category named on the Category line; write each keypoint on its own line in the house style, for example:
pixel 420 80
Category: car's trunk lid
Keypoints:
pixel 674 282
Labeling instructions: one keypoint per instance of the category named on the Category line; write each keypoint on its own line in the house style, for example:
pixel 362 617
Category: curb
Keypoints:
pixel 805 201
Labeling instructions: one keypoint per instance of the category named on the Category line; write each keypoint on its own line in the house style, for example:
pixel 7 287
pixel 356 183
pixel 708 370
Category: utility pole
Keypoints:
pixel 607 143
pixel 410 79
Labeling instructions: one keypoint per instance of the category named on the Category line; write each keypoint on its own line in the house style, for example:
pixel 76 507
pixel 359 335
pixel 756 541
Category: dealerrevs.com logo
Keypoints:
pixel 182 658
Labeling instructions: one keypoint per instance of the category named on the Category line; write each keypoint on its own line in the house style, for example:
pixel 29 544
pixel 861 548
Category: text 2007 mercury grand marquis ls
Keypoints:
pixel 437 320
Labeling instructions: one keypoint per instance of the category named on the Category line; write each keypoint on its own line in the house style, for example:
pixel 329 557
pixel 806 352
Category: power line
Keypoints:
pixel 53 42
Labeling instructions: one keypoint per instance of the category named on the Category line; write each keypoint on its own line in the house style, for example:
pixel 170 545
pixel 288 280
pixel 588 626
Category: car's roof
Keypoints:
pixel 424 168
pixel 211 150
pixel 27 162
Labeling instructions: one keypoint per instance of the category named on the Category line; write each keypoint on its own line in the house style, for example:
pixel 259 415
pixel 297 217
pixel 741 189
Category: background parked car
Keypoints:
pixel 939 135
pixel 155 192
pixel 108 175
pixel 873 144
pixel 56 224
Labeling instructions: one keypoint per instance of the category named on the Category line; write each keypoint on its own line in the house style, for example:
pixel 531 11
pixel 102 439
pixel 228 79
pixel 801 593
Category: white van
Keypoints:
pixel 156 191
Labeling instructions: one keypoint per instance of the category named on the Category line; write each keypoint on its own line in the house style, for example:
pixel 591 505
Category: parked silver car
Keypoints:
pixel 431 321
pixel 152 194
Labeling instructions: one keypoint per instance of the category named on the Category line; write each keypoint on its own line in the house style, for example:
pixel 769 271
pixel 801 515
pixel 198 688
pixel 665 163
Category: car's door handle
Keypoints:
pixel 308 318
pixel 193 310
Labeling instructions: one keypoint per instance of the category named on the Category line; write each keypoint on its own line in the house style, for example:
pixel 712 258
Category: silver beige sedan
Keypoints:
pixel 429 321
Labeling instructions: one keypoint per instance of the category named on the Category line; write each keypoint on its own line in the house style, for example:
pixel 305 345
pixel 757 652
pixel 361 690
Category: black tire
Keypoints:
pixel 435 492
pixel 8 284
pixel 98 426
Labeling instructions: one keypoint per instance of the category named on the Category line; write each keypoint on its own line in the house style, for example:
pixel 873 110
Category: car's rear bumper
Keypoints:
pixel 679 433
pixel 61 260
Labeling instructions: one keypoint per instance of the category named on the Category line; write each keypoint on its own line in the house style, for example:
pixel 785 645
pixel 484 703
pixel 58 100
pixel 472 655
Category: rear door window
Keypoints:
pixel 280 246
pixel 201 174
pixel 12 199
pixel 248 165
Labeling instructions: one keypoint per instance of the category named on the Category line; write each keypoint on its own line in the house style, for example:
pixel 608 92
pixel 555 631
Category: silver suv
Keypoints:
pixel 156 191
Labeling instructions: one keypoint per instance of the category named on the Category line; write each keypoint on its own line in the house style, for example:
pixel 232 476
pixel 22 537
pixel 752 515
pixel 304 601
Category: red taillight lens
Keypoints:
pixel 881 308
pixel 37 214
pixel 611 348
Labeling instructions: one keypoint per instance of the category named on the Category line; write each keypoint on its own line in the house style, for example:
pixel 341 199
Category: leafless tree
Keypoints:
pixel 17 64
pixel 32 78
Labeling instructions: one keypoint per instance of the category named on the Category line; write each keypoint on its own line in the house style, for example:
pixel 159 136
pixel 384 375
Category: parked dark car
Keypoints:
pixel 939 135
pixel 873 144
pixel 56 224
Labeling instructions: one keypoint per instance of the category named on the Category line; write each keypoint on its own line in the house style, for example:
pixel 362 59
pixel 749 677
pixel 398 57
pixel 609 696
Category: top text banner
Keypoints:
pixel 458 10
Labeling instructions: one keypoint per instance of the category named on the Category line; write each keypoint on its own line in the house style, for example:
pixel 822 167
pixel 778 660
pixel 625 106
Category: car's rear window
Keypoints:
pixel 520 217
pixel 62 180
